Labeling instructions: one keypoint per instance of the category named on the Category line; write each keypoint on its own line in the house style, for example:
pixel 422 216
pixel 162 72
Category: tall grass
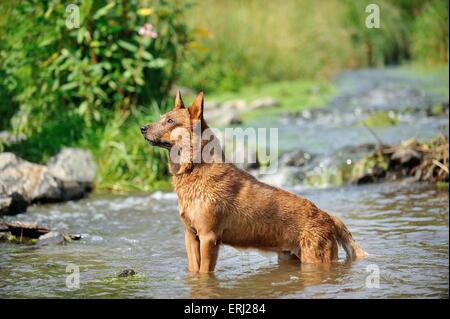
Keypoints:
pixel 261 41
pixel 429 38
pixel 125 161
pixel 254 41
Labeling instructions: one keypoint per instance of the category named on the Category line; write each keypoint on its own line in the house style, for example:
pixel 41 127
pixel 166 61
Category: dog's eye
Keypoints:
pixel 170 121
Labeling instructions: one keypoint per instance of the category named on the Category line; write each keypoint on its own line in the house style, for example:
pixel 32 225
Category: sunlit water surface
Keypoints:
pixel 403 227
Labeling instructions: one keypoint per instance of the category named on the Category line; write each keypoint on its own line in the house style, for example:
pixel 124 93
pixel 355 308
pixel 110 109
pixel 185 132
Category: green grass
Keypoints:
pixel 379 119
pixel 125 161
pixel 442 185
pixel 293 96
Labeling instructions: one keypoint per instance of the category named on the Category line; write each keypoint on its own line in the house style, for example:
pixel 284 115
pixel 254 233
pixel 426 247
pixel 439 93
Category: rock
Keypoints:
pixel 73 165
pixel 239 105
pixel 371 176
pixel 406 157
pixel 307 114
pixel 24 229
pixel 264 102
pixel 284 177
pixel 295 158
pixel 75 236
pixel 8 159
pixel 13 204
pixel 211 105
pixel 75 169
pixel 69 175
pixel 21 232
pixel 51 238
pixel 222 117
pixel 126 273
pixel 32 181
pixel 185 91
pixel 8 138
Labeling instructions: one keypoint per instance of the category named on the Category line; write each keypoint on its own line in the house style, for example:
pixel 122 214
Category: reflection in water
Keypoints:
pixel 404 228
pixel 282 280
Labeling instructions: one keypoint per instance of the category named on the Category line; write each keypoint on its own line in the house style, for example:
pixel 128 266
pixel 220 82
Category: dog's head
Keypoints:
pixel 175 126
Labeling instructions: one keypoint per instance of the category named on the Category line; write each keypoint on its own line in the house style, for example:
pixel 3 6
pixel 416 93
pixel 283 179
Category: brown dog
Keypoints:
pixel 219 203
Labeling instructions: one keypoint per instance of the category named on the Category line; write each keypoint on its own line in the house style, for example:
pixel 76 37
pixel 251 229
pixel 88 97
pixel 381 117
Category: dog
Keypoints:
pixel 222 204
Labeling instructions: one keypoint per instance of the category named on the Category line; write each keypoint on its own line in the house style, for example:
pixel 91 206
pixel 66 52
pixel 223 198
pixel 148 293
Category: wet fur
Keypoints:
pixel 222 204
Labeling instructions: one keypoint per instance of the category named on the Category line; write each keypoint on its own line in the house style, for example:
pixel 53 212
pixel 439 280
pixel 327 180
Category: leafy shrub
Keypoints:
pixel 104 65
pixel 84 86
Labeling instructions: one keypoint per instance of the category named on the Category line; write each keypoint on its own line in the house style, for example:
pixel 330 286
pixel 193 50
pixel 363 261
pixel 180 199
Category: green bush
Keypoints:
pixel 66 87
pixel 103 65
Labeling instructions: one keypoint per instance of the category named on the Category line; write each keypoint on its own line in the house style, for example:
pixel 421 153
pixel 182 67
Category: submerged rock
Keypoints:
pixel 126 273
pixel 295 158
pixel 51 238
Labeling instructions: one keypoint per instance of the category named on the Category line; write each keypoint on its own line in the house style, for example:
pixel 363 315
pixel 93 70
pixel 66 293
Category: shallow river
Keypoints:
pixel 405 230
pixel 403 226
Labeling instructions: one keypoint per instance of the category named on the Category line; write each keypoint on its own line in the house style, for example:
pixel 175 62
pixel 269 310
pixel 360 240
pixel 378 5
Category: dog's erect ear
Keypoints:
pixel 179 104
pixel 196 110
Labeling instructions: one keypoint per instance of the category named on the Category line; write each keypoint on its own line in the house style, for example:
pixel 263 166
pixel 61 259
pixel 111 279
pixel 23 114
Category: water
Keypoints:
pixel 405 95
pixel 404 228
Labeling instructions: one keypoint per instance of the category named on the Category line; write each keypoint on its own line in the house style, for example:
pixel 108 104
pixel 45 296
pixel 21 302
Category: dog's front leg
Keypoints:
pixel 193 250
pixel 209 251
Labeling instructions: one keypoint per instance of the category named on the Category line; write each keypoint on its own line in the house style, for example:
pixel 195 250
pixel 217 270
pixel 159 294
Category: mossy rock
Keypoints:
pixel 369 169
pixel 380 119
pixel 437 109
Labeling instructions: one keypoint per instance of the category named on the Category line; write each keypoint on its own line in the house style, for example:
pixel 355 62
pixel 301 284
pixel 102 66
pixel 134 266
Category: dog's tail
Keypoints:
pixel 344 238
